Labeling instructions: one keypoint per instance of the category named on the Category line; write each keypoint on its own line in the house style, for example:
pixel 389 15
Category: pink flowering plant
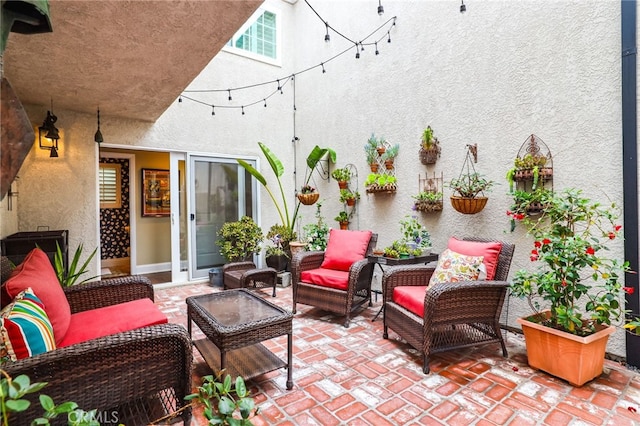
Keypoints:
pixel 577 282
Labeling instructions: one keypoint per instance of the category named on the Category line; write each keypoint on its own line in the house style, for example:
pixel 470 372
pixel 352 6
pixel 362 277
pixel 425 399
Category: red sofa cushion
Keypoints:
pixel 112 319
pixel 326 278
pixel 36 272
pixel 490 251
pixel 411 297
pixel 344 248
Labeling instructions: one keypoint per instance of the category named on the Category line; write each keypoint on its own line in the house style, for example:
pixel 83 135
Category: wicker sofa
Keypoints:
pixel 131 377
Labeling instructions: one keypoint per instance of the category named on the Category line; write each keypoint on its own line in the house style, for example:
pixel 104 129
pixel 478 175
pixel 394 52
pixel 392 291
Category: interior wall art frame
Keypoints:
pixel 156 198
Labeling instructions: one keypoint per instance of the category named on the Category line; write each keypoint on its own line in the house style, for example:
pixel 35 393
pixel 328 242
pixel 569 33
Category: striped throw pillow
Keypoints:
pixel 25 329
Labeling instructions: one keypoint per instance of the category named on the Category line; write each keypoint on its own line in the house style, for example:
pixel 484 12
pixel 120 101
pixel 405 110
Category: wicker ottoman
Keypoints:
pixel 246 275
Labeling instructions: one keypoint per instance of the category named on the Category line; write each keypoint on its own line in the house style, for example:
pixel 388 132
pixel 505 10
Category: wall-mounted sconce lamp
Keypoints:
pixel 98 136
pixel 48 134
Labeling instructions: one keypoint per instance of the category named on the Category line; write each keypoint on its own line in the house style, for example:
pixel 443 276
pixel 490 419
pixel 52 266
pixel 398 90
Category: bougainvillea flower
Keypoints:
pixel 537 244
pixel 518 216
pixel 590 250
pixel 534 257
pixel 564 283
pixel 617 227
pixel 612 235
pixel 628 290
pixel 546 241
pixel 509 212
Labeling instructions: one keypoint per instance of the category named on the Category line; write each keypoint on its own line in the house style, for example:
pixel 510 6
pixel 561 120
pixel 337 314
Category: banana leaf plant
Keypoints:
pixel 314 157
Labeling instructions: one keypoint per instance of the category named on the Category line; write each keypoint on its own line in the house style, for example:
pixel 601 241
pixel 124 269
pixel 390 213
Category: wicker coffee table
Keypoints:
pixel 235 322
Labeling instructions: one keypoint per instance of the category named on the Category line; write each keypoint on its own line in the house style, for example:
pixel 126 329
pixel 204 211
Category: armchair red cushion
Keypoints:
pixel 36 272
pixel 411 297
pixel 344 248
pixel 326 277
pixel 490 251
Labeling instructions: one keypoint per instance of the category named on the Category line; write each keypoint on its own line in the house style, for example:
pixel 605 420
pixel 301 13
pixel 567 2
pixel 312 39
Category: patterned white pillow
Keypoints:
pixel 454 267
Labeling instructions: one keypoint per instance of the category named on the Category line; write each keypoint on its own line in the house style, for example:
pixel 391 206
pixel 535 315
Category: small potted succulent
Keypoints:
pixel 429 147
pixel 389 156
pixel 349 197
pixel 343 176
pixel 343 219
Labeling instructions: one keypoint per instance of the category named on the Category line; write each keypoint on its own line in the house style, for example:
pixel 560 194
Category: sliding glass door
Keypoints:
pixel 221 191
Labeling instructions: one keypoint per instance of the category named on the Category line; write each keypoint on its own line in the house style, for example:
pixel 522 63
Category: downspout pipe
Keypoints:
pixel 630 168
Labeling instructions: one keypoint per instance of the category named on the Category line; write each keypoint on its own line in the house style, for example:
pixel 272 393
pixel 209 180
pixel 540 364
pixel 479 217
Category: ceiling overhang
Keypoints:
pixel 132 58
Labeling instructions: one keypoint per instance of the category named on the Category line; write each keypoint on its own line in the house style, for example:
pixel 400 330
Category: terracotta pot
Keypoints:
pixel 295 247
pixel 374 167
pixel 468 205
pixel 344 225
pixel 308 199
pixel 343 184
pixel 388 164
pixel 567 356
pixel 351 202
pixel 381 150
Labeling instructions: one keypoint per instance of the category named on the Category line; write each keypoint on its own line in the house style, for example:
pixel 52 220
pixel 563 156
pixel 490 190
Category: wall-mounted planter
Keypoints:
pixel 468 205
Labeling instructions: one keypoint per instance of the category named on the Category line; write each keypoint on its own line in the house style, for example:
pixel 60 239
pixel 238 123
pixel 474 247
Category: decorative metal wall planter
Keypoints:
pixel 470 186
pixel 429 198
pixel 429 147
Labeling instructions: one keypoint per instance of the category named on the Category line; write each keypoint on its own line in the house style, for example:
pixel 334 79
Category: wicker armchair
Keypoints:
pixel 341 302
pixel 132 377
pixel 246 275
pixel 456 315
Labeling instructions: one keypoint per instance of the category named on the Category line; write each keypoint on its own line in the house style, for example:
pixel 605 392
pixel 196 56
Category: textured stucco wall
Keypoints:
pixel 492 76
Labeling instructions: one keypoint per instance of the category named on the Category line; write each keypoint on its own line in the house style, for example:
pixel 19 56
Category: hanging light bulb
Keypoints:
pixel 213 110
pixel 242 109
pixel 380 8
pixel 229 90
pixel 180 98
pixel 265 103
pixel 327 38
pixel 463 7
pixel 389 37
pixel 357 52
pixel 377 51
pixel 323 70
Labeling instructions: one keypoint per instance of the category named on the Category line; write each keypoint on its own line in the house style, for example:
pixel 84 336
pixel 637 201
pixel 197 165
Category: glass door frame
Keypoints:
pixel 198 275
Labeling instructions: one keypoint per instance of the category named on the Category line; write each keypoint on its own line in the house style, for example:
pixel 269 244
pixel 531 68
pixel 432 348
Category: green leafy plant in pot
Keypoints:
pixel 314 157
pixel 578 291
pixel 239 240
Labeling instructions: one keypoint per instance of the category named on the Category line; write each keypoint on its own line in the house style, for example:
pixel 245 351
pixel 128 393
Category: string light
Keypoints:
pixel 463 7
pixel 291 77
pixel 380 8
pixel 213 110
pixel 327 37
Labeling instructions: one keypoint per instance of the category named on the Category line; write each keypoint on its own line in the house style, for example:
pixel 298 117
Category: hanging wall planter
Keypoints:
pixel 468 189
pixel 309 198
pixel 429 147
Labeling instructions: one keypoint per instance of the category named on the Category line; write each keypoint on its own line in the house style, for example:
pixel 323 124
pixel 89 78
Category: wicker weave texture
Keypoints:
pixel 456 315
pixel 341 302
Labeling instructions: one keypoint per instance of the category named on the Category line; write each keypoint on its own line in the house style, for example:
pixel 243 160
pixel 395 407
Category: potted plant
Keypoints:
pixel 308 195
pixel 276 255
pixel 316 234
pixel 371 152
pixel 343 176
pixel 239 240
pixel 380 144
pixel 468 192
pixel 428 201
pixel 389 156
pixel 343 219
pixel 349 197
pixel 578 293
pixel 415 235
pixel 313 159
pixel 380 182
pixel 429 147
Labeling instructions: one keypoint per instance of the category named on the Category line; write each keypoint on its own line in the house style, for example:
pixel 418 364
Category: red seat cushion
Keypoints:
pixel 36 272
pixel 490 251
pixel 345 248
pixel 112 319
pixel 411 297
pixel 326 278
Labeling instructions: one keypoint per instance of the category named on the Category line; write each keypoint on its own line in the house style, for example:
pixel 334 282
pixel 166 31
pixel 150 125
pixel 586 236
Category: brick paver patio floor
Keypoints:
pixel 355 377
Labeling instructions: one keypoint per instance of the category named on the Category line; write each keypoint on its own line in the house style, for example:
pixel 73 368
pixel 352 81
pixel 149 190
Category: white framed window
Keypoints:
pixel 259 38
pixel 109 182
